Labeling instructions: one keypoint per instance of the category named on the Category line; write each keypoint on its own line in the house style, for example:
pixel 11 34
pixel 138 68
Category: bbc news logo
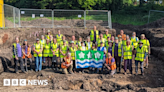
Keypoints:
pixel 23 82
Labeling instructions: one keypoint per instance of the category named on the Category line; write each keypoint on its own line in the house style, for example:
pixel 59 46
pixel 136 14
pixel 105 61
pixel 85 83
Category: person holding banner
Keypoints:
pixel 82 47
pixel 127 50
pixel 102 48
pixel 94 47
pixel 67 64
pixel 110 64
pixel 72 50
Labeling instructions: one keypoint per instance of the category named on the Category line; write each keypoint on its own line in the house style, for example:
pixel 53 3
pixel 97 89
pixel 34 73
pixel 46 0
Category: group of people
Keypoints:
pixel 58 53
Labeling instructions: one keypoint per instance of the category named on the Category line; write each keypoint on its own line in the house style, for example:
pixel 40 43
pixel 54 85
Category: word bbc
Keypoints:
pixel 23 82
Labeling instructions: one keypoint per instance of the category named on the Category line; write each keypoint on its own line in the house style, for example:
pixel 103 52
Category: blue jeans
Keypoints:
pixel 44 60
pixel 38 63
pixel 141 66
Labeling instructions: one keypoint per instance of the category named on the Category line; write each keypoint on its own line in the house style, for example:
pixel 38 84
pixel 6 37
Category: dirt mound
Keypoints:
pixel 156 24
pixel 8 23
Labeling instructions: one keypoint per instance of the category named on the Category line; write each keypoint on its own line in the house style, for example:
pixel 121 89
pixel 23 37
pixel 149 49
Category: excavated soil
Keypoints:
pixel 152 81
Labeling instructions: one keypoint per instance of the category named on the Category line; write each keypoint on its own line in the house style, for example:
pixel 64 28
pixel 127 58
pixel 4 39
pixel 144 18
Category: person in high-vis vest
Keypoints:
pixel 38 48
pixel 116 57
pixel 51 39
pixel 74 40
pixel 79 41
pixel 48 35
pixel 59 37
pixel 102 48
pixel 135 41
pixel 146 43
pixel 127 55
pixel 110 48
pixel 120 53
pixel 55 54
pixel 94 47
pixel 47 53
pixel 107 41
pixel 82 47
pixel 125 41
pixel 42 40
pixel 88 44
pixel 63 51
pixel 67 64
pixel 27 54
pixel 94 34
pixel 17 55
pixel 106 35
pixel 122 35
pixel 62 41
pixel 110 64
pixel 141 52
pixel 72 50
pixel 112 38
pixel 101 39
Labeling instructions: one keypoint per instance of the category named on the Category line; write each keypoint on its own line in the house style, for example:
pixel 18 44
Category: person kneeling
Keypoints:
pixel 67 65
pixel 110 64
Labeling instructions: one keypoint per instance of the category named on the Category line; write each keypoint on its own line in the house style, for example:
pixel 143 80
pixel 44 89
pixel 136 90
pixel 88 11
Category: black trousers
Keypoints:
pixel 118 63
pixel 20 60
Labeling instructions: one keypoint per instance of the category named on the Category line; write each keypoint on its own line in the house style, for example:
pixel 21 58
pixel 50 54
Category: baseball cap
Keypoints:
pixel 116 37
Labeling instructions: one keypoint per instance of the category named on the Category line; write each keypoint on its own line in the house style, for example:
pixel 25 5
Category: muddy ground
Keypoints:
pixel 152 81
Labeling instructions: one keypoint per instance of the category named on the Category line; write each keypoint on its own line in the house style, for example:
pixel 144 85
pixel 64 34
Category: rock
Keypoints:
pixel 86 86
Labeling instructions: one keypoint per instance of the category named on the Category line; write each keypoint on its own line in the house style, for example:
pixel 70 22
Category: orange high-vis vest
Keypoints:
pixel 109 61
pixel 28 51
pixel 68 61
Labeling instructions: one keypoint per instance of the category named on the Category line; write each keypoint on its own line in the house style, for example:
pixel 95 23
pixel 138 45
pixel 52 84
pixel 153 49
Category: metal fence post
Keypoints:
pixel 14 16
pixel 109 20
pixel 19 19
pixel 52 18
pixel 84 18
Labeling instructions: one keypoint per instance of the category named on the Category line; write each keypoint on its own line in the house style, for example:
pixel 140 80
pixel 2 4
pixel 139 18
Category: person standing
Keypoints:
pixel 122 35
pixel 59 37
pixel 46 53
pixel 102 48
pixel 88 44
pixel 146 44
pixel 135 41
pixel 82 47
pixel 27 54
pixel 94 47
pixel 110 64
pixel 127 50
pixel 72 50
pixel 79 42
pixel 17 55
pixel 120 53
pixel 107 41
pixel 94 34
pixel 48 35
pixel 110 48
pixel 38 48
pixel 62 41
pixel 141 52
pixel 55 54
pixel 63 51
pixel 116 57
pixel 112 39
pixel 106 35
pixel 101 39
pixel 43 42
